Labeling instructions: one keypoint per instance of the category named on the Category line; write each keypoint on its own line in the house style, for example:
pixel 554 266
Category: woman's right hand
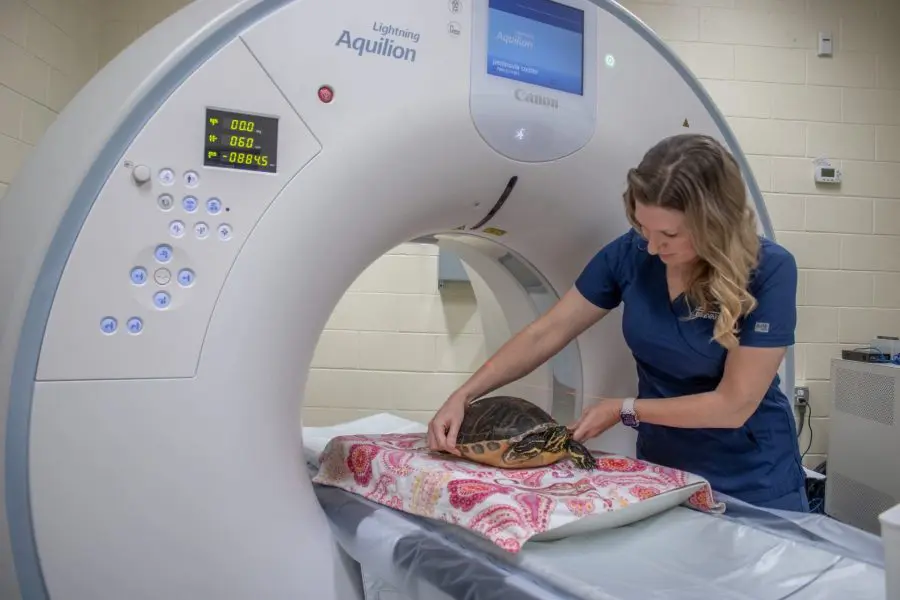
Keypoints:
pixel 444 426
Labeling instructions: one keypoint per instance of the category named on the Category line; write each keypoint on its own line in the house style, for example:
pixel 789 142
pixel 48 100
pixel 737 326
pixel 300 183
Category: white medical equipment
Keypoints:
pixel 863 479
pixel 748 554
pixel 173 247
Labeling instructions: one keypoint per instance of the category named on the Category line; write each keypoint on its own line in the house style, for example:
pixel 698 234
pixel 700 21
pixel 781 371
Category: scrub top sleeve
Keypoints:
pixel 772 322
pixel 600 281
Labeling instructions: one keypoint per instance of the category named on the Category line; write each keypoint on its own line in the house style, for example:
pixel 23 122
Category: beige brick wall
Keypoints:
pixel 395 343
pixel 48 50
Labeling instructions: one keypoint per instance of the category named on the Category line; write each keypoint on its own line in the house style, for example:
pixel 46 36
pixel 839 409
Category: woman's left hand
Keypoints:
pixel 597 419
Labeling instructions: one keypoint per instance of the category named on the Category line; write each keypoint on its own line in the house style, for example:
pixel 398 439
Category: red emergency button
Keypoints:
pixel 326 94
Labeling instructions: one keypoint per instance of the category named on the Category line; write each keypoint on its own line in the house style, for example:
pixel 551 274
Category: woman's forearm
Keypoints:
pixel 518 357
pixel 709 410
pixel 533 346
pixel 748 371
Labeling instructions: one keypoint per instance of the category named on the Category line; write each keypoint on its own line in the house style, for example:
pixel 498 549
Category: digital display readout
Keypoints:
pixel 241 141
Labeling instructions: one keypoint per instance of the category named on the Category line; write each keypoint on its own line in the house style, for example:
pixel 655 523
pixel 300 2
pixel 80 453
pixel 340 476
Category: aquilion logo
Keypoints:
pixel 532 98
pixel 391 42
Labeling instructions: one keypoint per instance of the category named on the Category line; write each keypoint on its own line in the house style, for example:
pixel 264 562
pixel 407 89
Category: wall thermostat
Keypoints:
pixel 825 43
pixel 827 174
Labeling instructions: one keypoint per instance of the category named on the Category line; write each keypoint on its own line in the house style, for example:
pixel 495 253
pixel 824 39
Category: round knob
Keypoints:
pixel 141 174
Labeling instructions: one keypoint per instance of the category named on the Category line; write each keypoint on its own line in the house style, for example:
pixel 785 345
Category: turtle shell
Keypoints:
pixel 494 427
pixel 499 418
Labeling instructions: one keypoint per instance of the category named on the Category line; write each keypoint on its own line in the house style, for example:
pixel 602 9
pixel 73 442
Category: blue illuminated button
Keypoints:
pixel 135 325
pixel 186 277
pixel 213 206
pixel 108 325
pixel 189 203
pixel 163 253
pixel 162 299
pixel 139 276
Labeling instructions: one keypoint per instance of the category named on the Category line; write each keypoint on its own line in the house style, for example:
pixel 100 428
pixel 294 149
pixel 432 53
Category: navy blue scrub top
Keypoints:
pixel 757 462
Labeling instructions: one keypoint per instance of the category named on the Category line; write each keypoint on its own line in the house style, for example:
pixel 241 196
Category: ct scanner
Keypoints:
pixel 165 282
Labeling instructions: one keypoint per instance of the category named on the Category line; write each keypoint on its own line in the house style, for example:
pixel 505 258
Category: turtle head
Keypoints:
pixel 556 439
pixel 580 454
pixel 550 439
pixel 546 438
pixel 559 439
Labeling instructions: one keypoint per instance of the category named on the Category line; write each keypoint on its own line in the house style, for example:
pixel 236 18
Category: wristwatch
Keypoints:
pixel 628 415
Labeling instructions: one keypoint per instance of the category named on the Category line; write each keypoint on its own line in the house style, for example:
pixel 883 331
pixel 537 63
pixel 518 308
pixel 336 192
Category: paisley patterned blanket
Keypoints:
pixel 506 506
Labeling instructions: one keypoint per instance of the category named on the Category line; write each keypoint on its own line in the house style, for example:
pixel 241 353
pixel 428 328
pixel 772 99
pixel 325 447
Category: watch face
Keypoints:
pixel 629 420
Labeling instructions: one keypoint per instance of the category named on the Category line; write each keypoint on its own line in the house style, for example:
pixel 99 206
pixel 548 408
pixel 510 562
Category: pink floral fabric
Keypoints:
pixel 506 506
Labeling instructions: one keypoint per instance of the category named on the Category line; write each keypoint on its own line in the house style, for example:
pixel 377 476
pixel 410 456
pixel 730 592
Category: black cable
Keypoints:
pixel 500 202
pixel 808 426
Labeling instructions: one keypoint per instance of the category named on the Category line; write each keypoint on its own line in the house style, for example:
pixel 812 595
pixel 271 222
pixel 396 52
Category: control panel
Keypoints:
pixel 828 174
pixel 153 254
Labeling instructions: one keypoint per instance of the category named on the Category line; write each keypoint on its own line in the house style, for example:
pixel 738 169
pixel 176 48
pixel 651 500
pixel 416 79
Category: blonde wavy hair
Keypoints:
pixel 696 175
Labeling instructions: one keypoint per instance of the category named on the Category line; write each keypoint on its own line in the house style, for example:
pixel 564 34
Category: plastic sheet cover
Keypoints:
pixel 746 554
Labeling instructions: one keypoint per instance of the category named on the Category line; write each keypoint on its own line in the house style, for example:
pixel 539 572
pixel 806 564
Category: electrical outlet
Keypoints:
pixel 801 395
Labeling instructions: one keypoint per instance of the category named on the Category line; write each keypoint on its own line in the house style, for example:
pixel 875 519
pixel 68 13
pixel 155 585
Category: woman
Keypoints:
pixel 709 309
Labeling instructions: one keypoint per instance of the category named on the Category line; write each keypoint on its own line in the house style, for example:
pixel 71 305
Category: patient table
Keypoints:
pixel 748 553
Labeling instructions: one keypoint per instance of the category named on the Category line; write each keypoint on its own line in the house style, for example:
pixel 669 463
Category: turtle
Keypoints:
pixel 513 433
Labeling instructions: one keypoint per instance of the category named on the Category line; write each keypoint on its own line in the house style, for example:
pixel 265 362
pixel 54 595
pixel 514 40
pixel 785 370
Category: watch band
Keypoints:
pixel 628 415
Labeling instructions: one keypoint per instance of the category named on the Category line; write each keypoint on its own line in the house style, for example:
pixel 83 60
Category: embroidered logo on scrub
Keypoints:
pixel 761 327
pixel 702 314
